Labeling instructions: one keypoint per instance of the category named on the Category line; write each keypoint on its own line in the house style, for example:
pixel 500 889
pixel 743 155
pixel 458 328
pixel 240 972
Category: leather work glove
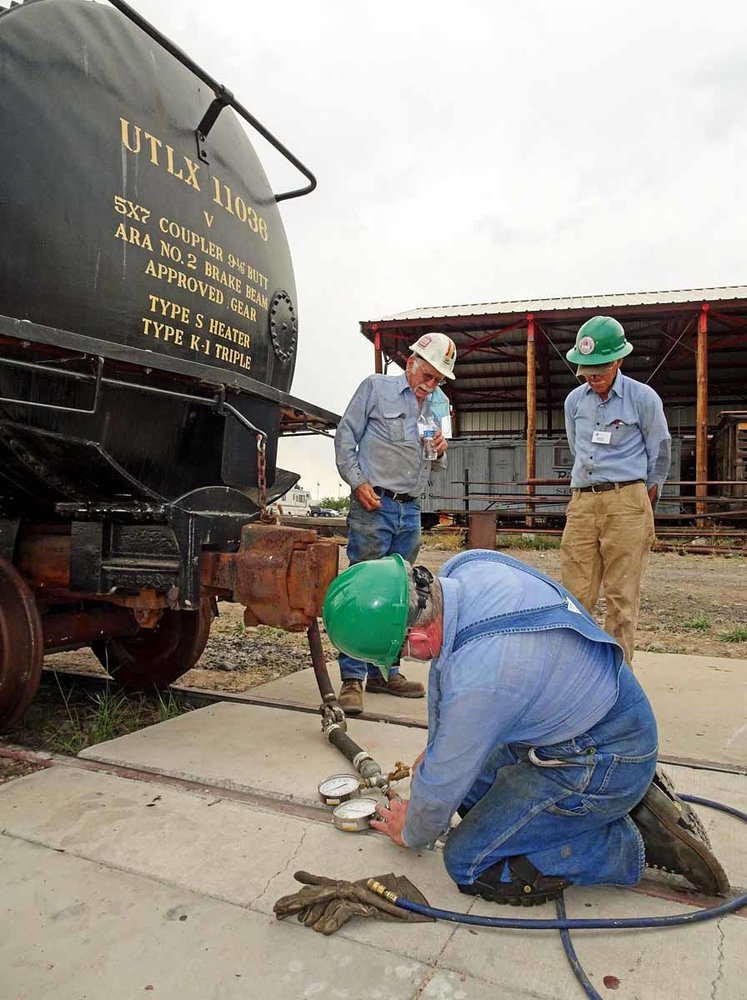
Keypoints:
pixel 325 904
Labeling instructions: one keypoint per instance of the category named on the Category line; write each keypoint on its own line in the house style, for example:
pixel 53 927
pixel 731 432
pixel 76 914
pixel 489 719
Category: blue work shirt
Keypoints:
pixel 639 445
pixel 537 687
pixel 377 439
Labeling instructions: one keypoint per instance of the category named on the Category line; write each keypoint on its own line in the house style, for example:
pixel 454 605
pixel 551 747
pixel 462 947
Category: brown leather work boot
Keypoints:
pixel 397 685
pixel 674 838
pixel 351 697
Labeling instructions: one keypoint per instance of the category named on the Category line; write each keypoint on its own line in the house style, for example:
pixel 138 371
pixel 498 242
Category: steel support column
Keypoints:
pixel 378 358
pixel 531 464
pixel 701 417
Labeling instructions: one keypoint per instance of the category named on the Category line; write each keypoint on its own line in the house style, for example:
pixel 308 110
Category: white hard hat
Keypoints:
pixel 438 350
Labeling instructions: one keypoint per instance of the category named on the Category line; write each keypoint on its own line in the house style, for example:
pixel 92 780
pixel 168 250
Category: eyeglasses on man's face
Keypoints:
pixel 429 378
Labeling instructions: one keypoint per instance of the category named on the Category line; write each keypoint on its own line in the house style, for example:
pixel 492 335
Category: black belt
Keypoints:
pixel 399 497
pixel 604 487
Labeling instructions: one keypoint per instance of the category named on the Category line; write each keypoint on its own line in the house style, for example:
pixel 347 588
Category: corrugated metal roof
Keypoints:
pixel 521 306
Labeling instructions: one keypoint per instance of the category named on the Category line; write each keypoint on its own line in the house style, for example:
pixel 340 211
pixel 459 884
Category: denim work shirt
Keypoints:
pixel 639 445
pixel 377 440
pixel 539 687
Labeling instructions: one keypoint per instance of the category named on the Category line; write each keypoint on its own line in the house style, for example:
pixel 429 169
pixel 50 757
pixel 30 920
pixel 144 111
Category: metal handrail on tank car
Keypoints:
pixel 218 402
pixel 40 366
pixel 223 98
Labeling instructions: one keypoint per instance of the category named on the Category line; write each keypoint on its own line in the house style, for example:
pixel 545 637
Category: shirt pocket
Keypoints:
pixel 394 423
pixel 621 431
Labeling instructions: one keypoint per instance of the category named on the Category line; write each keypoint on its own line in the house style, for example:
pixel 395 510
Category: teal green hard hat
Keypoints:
pixel 365 610
pixel 600 341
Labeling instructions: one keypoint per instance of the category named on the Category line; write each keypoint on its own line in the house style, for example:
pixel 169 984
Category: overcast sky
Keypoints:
pixel 483 150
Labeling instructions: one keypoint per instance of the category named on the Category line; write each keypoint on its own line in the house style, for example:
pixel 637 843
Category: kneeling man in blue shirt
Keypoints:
pixel 539 735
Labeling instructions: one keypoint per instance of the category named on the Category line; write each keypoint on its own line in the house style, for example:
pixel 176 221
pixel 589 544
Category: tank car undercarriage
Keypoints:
pixel 130 617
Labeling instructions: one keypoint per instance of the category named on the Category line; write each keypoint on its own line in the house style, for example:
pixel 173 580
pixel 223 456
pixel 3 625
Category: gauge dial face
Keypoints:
pixel 338 785
pixel 356 809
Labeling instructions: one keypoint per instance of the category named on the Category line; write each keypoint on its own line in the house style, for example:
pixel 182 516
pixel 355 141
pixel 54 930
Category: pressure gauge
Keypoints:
pixel 354 815
pixel 339 788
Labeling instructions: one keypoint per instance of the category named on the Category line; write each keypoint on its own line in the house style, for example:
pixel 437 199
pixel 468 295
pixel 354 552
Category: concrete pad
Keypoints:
pixel 100 895
pixel 267 751
pixel 73 929
pixel 700 703
pixel 239 853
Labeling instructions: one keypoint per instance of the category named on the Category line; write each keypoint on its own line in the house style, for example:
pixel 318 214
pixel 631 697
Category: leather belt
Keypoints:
pixel 399 497
pixel 604 487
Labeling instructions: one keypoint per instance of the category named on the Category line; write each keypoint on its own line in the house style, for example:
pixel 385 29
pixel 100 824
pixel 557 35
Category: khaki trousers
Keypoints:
pixel 606 543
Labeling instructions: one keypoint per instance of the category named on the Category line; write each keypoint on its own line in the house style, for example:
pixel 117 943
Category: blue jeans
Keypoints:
pixel 373 534
pixel 571 820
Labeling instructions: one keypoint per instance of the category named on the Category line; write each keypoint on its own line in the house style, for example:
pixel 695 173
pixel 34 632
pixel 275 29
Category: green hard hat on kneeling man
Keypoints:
pixel 365 610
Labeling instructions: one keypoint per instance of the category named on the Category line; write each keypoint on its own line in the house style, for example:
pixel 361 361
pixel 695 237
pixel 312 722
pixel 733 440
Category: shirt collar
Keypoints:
pixel 450 590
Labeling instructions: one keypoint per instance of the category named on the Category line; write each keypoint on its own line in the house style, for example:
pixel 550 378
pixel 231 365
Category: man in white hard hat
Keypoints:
pixel 380 454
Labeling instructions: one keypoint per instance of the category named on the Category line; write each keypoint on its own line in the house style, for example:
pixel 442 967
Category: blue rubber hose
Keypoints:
pixel 564 925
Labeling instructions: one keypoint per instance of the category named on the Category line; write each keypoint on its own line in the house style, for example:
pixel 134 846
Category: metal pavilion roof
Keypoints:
pixel 491 341
pixel 575 302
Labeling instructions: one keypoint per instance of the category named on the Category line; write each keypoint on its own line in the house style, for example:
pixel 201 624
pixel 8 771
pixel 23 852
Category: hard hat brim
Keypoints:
pixel 593 369
pixel 596 359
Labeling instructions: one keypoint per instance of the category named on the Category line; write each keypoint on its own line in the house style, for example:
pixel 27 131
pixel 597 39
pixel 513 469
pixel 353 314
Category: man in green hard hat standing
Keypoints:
pixel 621 449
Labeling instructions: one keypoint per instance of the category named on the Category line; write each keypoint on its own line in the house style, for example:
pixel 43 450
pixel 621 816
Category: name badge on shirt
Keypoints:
pixel 601 437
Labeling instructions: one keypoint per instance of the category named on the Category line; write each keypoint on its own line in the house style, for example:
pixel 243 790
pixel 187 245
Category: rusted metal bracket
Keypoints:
pixel 280 575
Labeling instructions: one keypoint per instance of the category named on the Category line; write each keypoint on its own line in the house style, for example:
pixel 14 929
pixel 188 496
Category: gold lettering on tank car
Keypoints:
pixel 187 282
pixel 226 332
pixel 139 142
pixel 132 235
pixel 160 154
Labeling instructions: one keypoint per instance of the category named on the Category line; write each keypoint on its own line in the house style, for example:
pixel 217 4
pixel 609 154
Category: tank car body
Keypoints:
pixel 148 336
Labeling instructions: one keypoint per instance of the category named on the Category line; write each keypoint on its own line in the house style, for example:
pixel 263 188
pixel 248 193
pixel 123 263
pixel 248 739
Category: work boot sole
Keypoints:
pixel 512 899
pixel 690 854
pixel 395 694
pixel 688 816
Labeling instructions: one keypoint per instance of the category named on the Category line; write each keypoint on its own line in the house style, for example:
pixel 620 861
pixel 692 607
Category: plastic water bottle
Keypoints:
pixel 427 431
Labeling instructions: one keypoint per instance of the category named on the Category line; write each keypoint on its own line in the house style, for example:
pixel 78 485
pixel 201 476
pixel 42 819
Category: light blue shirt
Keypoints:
pixel 633 439
pixel 377 439
pixel 524 687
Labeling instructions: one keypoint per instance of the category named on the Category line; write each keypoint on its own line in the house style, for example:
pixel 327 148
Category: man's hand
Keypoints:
pixel 392 820
pixel 652 495
pixel 366 497
pixel 440 444
pixel 416 763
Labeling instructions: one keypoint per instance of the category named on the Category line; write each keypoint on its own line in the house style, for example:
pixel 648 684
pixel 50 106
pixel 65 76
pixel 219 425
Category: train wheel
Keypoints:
pixel 21 645
pixel 156 657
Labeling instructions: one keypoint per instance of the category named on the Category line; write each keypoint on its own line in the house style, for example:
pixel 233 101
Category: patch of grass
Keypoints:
pixel 736 635
pixel 67 722
pixel 529 541
pixel 451 540
pixel 700 623
pixel 167 706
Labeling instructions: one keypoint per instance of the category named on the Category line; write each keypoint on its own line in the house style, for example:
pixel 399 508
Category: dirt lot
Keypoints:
pixel 688 602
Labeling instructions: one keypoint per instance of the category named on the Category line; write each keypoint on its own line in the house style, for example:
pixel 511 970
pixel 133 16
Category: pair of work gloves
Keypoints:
pixel 325 904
